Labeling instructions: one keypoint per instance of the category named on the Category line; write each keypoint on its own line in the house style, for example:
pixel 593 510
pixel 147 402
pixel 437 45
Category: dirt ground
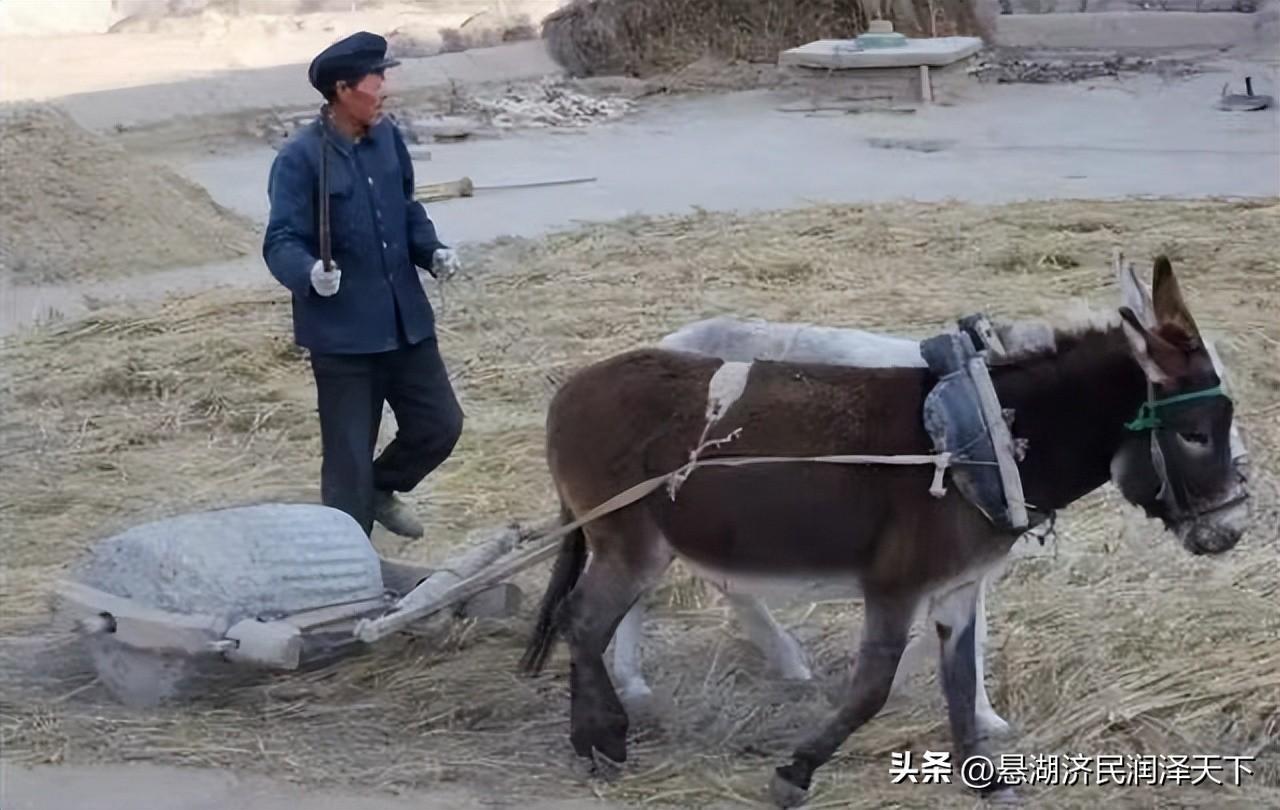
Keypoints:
pixel 179 389
pixel 137 786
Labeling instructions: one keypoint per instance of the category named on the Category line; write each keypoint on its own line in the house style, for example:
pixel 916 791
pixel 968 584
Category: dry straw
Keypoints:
pixel 1110 639
pixel 76 205
pixel 640 37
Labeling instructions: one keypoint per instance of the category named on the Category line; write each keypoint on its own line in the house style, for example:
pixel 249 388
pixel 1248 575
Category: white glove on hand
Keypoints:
pixel 325 283
pixel 445 263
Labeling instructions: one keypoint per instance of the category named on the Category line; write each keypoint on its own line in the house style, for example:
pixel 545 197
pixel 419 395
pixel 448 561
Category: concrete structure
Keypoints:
pixel 900 74
pixel 845 54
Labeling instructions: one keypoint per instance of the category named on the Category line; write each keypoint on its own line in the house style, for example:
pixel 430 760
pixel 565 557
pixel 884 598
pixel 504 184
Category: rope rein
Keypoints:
pixel 675 478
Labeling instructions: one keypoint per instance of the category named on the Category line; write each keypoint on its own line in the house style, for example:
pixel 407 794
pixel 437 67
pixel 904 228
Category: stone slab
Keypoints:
pixel 844 54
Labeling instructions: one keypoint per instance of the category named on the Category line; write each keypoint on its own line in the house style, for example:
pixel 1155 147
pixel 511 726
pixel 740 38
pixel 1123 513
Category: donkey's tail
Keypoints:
pixel 564 575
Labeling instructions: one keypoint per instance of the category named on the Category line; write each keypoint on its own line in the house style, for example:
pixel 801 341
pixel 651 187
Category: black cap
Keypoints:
pixel 349 59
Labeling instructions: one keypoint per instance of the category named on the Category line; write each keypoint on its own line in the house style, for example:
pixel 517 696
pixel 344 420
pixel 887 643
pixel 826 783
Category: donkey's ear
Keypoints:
pixel 1133 293
pixel 1160 360
pixel 1169 306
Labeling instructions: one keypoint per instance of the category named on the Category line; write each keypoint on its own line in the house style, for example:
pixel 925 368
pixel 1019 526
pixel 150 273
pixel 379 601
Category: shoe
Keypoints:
pixel 395 515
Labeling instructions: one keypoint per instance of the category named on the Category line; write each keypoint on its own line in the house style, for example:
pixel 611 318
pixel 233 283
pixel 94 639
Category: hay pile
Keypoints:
pixel 77 206
pixel 1110 640
pixel 486 30
pixel 641 37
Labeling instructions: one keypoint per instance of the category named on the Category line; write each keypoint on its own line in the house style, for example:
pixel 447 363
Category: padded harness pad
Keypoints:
pixel 955 421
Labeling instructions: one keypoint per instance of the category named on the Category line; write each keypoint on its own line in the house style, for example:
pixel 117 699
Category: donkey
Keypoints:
pixel 1138 403
pixel 738 340
pixel 746 340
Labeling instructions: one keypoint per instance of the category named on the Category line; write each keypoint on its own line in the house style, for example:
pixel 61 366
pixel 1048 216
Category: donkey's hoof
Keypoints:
pixel 784 792
pixel 606 736
pixel 596 767
pixel 791 667
pixel 638 701
pixel 1003 796
pixel 604 767
pixel 793 675
pixel 995 791
pixel 991 725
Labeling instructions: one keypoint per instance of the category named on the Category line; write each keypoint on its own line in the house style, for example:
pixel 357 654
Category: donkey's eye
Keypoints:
pixel 1193 437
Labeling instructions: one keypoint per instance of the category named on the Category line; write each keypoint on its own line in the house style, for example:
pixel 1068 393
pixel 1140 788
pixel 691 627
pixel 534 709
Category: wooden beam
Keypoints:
pixel 139 626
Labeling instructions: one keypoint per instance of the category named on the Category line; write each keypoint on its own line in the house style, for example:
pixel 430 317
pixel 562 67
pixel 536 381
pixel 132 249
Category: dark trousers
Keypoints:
pixel 350 391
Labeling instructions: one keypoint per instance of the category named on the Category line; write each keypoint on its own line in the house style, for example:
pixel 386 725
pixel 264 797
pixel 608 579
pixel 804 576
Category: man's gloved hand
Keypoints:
pixel 445 264
pixel 325 284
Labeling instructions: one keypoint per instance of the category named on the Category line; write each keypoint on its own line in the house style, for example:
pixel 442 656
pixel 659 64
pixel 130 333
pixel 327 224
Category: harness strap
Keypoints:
pixel 544 547
pixel 1148 417
pixel 1002 442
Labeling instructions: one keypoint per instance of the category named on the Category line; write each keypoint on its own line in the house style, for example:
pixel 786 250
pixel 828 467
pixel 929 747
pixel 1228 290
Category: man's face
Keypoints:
pixel 362 101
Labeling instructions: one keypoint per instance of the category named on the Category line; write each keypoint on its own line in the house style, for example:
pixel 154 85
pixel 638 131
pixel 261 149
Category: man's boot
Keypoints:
pixel 395 515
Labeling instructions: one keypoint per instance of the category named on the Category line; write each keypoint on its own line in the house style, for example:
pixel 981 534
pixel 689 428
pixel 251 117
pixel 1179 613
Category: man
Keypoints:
pixel 365 317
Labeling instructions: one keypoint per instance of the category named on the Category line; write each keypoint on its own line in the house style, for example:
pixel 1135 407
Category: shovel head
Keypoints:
pixel 1242 103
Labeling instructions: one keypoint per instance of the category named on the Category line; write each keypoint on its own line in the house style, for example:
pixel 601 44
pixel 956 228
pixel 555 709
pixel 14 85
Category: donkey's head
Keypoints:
pixel 1181 459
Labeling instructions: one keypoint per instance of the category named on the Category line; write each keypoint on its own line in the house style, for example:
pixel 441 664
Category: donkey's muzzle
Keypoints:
pixel 1219 527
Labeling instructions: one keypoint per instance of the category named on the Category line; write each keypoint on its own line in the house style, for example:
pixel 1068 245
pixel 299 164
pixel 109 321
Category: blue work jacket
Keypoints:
pixel 378 232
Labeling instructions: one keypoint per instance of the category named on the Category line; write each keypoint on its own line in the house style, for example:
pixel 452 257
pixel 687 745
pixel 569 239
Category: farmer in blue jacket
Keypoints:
pixel 365 318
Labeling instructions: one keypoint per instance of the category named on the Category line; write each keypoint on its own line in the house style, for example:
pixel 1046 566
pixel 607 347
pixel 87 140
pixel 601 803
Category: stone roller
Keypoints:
pixel 170 609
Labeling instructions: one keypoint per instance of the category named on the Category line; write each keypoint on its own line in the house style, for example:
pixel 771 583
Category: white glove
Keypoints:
pixel 325 283
pixel 445 263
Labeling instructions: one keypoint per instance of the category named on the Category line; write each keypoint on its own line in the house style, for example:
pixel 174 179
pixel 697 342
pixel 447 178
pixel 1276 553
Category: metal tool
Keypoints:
pixel 466 188
pixel 1248 102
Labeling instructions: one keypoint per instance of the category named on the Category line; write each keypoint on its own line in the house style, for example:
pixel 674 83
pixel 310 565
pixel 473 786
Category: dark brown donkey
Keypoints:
pixel 1138 403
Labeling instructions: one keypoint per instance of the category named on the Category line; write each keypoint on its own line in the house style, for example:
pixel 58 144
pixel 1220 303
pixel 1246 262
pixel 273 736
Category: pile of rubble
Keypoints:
pixel 275 128
pixel 1012 67
pixel 547 103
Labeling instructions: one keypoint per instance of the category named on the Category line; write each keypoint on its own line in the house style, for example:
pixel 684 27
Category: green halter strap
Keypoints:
pixel 1148 413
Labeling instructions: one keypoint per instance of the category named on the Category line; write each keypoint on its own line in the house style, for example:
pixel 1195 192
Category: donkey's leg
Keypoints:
pixel 628 557
pixel 779 647
pixel 884 635
pixel 921 646
pixel 989 723
pixel 633 689
pixel 956 616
